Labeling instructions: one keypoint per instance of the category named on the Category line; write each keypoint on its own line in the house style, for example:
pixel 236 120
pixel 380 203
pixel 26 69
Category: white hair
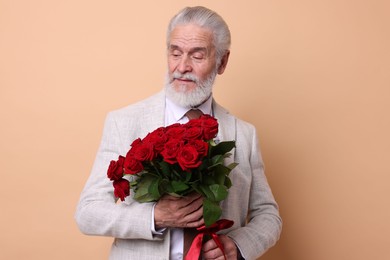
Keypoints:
pixel 204 18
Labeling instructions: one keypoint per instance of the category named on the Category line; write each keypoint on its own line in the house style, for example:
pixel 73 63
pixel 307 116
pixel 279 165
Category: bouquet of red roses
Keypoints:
pixel 177 159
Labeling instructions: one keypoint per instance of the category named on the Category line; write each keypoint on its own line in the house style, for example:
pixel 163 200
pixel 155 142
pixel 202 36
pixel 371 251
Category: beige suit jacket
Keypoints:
pixel 250 203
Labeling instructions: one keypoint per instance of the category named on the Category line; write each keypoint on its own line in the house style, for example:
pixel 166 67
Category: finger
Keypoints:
pixel 170 197
pixel 209 245
pixel 191 198
pixel 218 258
pixel 215 253
pixel 190 209
pixel 194 219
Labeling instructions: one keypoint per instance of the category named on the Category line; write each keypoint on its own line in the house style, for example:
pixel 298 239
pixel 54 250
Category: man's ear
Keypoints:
pixel 224 62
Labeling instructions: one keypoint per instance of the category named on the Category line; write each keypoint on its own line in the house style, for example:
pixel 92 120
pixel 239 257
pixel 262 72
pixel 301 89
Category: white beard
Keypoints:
pixel 193 98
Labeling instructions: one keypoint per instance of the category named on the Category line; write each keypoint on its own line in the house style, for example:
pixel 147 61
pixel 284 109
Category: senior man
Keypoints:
pixel 198 42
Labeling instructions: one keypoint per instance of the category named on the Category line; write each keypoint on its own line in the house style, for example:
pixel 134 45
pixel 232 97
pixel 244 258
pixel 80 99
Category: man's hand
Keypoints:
pixel 211 250
pixel 182 212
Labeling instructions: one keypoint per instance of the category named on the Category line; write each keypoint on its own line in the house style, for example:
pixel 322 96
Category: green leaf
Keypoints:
pixel 228 182
pixel 164 186
pixel 222 148
pixel 220 174
pixel 165 168
pixel 142 193
pixel 168 187
pixel 205 163
pixel 187 176
pixel 211 212
pixel 232 166
pixel 196 188
pixel 205 189
pixel 153 188
pixel 221 169
pixel 208 179
pixel 219 191
pixel 179 186
pixel 216 160
pixel 219 159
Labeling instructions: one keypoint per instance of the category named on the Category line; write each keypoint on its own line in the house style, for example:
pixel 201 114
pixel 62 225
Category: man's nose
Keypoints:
pixel 184 65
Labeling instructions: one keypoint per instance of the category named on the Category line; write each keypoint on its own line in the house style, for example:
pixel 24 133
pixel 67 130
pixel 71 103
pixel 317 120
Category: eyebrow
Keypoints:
pixel 193 50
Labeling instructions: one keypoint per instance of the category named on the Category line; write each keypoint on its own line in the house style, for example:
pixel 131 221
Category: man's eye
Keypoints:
pixel 197 57
pixel 176 54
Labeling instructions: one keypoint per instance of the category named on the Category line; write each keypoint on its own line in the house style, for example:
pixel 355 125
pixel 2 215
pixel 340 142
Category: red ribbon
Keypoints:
pixel 196 246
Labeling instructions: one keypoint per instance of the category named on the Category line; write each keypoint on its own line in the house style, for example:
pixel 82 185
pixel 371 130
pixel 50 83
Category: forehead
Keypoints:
pixel 191 36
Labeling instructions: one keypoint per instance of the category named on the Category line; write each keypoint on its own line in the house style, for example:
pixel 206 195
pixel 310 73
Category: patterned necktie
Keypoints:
pixel 194 114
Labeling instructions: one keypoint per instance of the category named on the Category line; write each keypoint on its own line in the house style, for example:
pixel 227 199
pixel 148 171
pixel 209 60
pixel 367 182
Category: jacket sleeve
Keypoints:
pixel 98 212
pixel 263 227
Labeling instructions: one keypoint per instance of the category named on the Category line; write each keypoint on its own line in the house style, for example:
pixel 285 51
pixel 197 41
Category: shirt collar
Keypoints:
pixel 179 112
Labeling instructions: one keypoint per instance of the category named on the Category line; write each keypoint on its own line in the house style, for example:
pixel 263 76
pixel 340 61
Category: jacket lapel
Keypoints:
pixel 153 113
pixel 227 124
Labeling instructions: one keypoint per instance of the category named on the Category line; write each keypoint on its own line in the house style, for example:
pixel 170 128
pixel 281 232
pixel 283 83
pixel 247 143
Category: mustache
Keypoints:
pixel 187 76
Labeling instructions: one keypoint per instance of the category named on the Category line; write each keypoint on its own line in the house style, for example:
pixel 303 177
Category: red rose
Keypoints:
pixel 115 169
pixel 132 165
pixel 193 133
pixel 173 126
pixel 175 131
pixel 188 158
pixel 194 123
pixel 209 126
pixel 171 148
pixel 121 188
pixel 201 147
pixel 136 142
pixel 157 138
pixel 144 152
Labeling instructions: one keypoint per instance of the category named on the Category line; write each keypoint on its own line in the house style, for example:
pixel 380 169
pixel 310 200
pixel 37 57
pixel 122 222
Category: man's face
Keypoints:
pixel 191 59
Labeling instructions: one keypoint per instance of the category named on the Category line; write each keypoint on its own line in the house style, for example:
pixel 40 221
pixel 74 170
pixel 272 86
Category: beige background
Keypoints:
pixel 313 76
